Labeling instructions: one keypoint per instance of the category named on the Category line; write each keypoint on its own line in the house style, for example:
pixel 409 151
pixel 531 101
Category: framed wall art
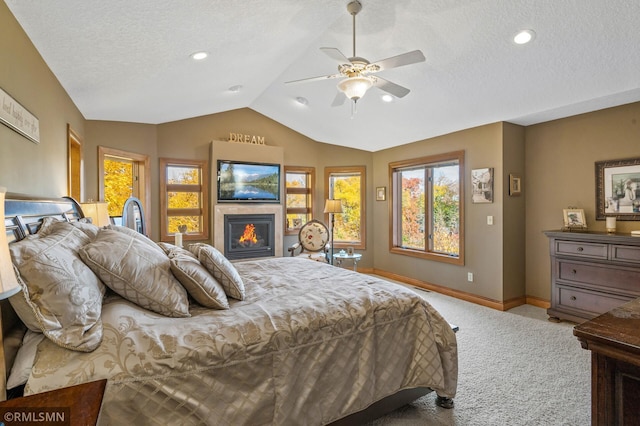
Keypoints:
pixel 618 189
pixel 515 185
pixel 482 184
pixel 574 218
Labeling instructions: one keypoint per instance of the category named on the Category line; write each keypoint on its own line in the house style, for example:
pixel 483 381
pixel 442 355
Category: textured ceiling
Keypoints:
pixel 129 61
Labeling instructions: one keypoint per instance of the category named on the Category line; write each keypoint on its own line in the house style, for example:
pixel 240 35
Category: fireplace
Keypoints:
pixel 249 235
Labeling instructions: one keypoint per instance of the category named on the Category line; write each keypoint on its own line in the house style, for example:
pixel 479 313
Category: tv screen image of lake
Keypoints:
pixel 249 182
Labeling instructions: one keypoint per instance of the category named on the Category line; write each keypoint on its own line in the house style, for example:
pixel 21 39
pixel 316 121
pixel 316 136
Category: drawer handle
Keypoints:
pixel 580 249
pixel 573 298
pixel 573 271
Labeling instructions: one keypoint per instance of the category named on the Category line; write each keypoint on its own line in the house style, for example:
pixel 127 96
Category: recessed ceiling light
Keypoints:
pixel 387 98
pixel 524 37
pixel 236 88
pixel 302 101
pixel 198 56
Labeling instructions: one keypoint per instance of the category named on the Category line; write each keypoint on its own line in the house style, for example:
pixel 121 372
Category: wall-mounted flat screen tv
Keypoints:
pixel 240 181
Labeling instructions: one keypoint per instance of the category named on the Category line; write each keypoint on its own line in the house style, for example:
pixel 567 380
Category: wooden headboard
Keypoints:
pixel 23 216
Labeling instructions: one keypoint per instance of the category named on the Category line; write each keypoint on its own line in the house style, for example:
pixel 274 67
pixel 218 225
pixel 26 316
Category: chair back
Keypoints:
pixel 133 215
pixel 313 236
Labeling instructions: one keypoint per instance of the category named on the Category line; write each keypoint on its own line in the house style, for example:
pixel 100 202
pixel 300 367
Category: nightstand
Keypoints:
pixel 77 405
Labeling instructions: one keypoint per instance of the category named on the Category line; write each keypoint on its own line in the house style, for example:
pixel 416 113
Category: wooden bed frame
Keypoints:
pixel 23 216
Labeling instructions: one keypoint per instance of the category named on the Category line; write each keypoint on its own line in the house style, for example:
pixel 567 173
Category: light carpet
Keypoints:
pixel 515 368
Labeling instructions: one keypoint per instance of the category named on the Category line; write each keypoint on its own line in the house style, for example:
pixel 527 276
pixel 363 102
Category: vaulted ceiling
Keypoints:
pixel 130 61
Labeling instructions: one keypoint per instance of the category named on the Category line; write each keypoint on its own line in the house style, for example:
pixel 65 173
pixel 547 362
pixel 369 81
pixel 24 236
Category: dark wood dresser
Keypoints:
pixel 614 341
pixel 77 405
pixel 592 273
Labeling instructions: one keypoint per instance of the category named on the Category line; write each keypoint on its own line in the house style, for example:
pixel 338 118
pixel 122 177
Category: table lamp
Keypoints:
pixel 332 207
pixel 97 211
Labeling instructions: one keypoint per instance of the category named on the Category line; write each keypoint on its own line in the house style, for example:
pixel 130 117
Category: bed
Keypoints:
pixel 299 342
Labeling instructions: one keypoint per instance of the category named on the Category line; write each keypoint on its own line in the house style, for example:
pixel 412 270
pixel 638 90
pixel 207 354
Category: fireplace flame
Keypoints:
pixel 249 235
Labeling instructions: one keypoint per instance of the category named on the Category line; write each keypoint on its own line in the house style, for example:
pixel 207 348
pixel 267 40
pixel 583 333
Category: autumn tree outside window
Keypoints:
pixel 348 185
pixel 184 198
pixel 299 185
pixel 123 174
pixel 428 206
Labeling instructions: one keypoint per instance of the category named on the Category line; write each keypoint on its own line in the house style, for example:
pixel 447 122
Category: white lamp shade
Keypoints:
pixel 8 282
pixel 355 87
pixel 97 211
pixel 333 206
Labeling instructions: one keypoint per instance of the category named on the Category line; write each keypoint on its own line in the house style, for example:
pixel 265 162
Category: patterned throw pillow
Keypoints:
pixel 198 282
pixel 138 271
pixel 221 269
pixel 60 295
pixel 169 248
pixel 136 235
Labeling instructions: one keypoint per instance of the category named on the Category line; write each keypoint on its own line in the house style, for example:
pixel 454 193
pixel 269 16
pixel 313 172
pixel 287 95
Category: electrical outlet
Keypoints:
pixel 470 277
pixel 489 220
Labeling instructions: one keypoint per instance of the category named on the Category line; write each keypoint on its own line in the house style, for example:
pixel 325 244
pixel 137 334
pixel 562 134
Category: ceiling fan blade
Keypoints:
pixel 334 53
pixel 400 60
pixel 339 99
pixel 391 88
pixel 322 77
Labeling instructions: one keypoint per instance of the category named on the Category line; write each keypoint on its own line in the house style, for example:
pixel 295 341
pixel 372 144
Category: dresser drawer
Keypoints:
pixel 581 249
pixel 625 253
pixel 587 302
pixel 618 278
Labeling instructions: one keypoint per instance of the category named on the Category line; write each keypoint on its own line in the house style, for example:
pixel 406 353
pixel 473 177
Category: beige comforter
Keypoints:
pixel 310 344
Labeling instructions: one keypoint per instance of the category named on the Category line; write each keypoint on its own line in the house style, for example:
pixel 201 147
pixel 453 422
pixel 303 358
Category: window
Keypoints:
pixel 299 184
pixel 184 199
pixel 427 207
pixel 122 175
pixel 348 185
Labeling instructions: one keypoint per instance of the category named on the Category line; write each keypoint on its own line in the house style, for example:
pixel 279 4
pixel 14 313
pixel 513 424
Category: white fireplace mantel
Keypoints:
pixel 220 210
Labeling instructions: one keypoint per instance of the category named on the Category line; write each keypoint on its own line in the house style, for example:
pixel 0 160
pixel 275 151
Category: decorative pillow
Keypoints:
pixel 21 368
pixel 168 249
pixel 135 234
pixel 138 271
pixel 314 236
pixel 197 280
pixel 63 296
pixel 88 228
pixel 221 269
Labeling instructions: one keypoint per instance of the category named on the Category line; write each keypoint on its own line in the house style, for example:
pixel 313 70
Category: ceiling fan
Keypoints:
pixel 358 72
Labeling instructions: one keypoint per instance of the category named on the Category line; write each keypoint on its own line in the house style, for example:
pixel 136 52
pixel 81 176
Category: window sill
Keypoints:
pixel 454 260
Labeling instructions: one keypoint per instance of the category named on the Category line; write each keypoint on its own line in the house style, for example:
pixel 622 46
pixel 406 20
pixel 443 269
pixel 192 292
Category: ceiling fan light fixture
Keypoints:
pixel 355 87
pixel 387 97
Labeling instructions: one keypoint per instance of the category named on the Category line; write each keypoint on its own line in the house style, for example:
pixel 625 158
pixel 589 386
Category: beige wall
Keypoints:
pixel 483 147
pixel 27 167
pixel 513 213
pixel 192 138
pixel 560 172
